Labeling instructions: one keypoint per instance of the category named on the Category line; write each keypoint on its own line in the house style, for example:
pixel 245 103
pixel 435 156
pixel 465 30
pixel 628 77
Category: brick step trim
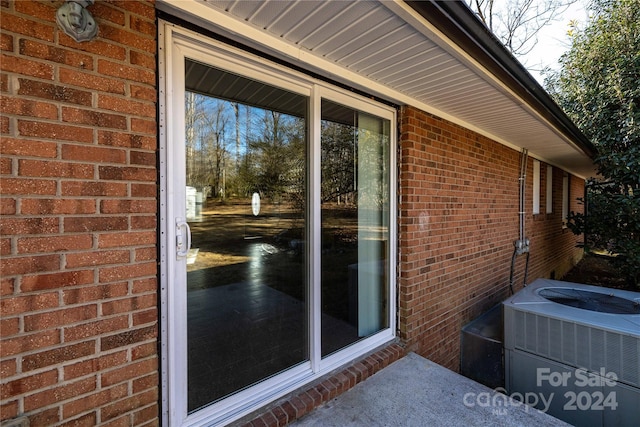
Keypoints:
pixel 300 403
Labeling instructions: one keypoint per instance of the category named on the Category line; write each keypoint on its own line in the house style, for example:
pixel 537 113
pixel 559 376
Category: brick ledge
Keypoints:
pixel 298 404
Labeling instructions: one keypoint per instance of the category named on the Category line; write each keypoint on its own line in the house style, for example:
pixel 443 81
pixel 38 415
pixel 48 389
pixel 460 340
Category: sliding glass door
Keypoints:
pixel 245 151
pixel 277 229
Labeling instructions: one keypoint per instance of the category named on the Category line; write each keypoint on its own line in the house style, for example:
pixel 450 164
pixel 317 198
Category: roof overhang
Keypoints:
pixel 433 55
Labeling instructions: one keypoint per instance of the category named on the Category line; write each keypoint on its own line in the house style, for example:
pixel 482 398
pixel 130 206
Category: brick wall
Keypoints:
pixel 459 199
pixel 78 231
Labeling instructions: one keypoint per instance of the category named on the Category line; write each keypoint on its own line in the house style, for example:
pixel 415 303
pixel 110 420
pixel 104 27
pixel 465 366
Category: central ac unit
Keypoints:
pixel 573 351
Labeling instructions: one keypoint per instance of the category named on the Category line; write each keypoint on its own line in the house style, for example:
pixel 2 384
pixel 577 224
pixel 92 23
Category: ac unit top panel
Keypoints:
pixel 529 300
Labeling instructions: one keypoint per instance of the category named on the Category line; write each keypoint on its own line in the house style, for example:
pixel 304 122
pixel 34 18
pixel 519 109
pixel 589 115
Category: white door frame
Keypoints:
pixel 176 43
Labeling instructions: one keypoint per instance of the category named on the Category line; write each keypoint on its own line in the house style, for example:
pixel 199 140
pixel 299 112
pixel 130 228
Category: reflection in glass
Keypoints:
pixel 246 281
pixel 355 227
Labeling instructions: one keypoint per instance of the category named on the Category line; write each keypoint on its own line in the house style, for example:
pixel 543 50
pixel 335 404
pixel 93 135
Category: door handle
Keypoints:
pixel 183 238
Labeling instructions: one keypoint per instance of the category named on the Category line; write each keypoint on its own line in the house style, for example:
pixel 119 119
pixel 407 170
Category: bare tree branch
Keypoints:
pixel 517 23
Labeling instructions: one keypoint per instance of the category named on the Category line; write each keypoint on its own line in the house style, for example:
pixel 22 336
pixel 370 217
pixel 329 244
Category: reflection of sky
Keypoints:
pixel 250 120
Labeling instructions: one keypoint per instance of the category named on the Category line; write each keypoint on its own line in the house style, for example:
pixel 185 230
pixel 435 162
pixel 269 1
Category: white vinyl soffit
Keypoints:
pixel 386 49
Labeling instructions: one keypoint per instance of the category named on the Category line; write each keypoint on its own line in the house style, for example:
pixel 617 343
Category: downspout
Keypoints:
pixel 521 246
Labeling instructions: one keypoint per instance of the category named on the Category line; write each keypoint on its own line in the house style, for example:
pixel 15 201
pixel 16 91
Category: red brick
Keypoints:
pixel 128 206
pixel 38 30
pixel 144 222
pixel 56 280
pixel 93 258
pixel 97 364
pixel 5 125
pixel 143 351
pixel 28 107
pixel 8 368
pixel 94 293
pixel 97 46
pixel 6 166
pixel 97 223
pixel 129 404
pixel 54 92
pixel 123 421
pixel 126 105
pixel 112 274
pixel 29 342
pixel 95 400
pixel 149 413
pixel 28 384
pixel 280 415
pixel 144 93
pixel 29 264
pixel 128 338
pixel 144 285
pixel 12 64
pixel 9 325
pixel 6 42
pixel 55 131
pixel 133 40
pixel 71 77
pixel 93 329
pixel 144 9
pixel 18 147
pixel 55 54
pixel 127 305
pixel 126 140
pixel 28 303
pixel 135 74
pixel 7 206
pixel 128 372
pixel 107 12
pixel 5 246
pixel 143 26
pixel 120 173
pixel 150 381
pixel 143 126
pixel 108 240
pixel 93 118
pixel 93 188
pixel 58 355
pixel 52 169
pixel 58 243
pixel 56 318
pixel 15 226
pixel 145 254
pixel 142 158
pixel 58 206
pixel 86 420
pixel 27 186
pixel 44 11
pixel 9 409
pixel 93 154
pixel 58 394
pixel 145 317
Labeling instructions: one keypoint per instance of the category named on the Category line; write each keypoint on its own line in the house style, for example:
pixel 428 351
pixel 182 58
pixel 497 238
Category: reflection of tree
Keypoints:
pixel 206 144
pixel 372 191
pixel 274 163
pixel 338 162
pixel 345 150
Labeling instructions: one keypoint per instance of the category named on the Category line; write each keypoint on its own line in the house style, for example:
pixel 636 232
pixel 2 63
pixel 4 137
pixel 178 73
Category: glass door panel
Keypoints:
pixel 246 197
pixel 354 225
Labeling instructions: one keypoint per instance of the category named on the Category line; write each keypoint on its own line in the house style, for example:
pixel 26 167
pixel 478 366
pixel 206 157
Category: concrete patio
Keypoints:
pixel 417 392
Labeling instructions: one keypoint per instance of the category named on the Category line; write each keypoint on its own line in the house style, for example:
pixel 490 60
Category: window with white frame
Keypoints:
pixel 565 198
pixel 549 184
pixel 536 187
